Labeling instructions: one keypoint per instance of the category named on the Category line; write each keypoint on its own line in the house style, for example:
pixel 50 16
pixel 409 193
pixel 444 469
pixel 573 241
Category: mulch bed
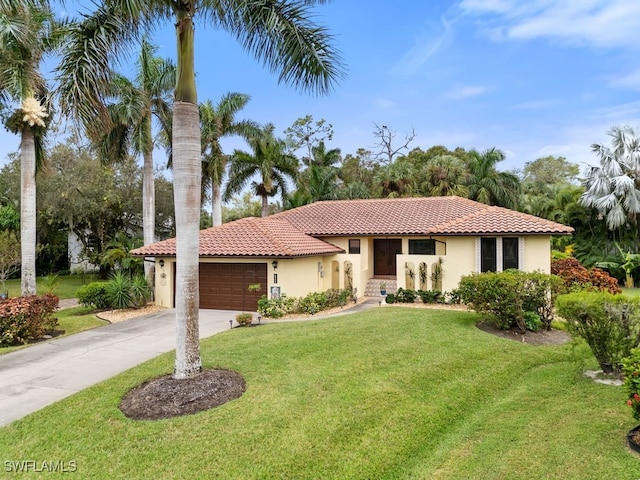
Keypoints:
pixel 541 337
pixel 166 397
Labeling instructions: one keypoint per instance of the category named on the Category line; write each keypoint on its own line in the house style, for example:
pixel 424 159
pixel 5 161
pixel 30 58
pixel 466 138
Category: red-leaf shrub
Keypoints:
pixel 576 277
pixel 25 318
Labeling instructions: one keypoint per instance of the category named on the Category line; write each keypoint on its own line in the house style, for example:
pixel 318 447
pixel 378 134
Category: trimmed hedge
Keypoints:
pixel 511 298
pixel 94 295
pixel 27 318
pixel 610 324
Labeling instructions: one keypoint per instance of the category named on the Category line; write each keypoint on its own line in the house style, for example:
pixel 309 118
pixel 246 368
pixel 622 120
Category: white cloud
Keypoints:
pixel 466 91
pixel 629 81
pixel 384 103
pixel 535 105
pixel 600 23
pixel 424 48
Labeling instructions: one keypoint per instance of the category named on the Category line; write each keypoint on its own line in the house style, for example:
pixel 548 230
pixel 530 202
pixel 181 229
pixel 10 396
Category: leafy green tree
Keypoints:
pixel 28 31
pixel 550 170
pixel 216 122
pixel 10 257
pixel 307 134
pixel 280 34
pixel 129 125
pixel 269 162
pixel 488 185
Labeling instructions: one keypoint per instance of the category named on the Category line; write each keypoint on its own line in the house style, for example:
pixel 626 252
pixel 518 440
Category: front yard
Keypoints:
pixel 390 393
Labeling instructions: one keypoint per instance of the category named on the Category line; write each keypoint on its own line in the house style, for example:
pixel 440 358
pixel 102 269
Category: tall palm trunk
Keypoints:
pixel 148 201
pixel 265 206
pixel 186 186
pixel 216 204
pixel 28 211
pixel 187 176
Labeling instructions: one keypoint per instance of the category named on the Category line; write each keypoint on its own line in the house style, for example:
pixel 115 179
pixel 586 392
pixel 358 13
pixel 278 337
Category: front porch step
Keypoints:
pixel 373 286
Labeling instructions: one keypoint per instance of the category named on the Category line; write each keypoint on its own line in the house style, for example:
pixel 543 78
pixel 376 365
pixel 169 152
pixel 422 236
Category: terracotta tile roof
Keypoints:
pixel 417 216
pixel 292 233
pixel 249 237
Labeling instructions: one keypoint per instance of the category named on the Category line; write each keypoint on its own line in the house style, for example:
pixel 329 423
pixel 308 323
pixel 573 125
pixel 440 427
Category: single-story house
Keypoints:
pixel 418 243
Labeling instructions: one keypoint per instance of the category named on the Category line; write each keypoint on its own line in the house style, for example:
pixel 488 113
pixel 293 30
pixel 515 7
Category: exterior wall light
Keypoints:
pixel 161 263
pixel 274 264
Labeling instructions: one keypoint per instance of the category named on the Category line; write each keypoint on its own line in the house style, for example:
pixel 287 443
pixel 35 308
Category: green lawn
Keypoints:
pixel 66 287
pixel 71 320
pixel 390 393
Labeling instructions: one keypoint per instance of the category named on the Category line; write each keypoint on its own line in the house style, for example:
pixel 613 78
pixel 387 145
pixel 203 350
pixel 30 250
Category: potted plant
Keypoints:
pixel 244 318
pixel 631 372
pixel 383 288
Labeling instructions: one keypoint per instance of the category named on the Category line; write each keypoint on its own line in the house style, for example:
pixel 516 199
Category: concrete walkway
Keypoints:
pixel 42 374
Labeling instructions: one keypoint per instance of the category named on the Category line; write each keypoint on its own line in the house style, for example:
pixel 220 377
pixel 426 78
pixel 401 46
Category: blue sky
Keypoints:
pixel 531 77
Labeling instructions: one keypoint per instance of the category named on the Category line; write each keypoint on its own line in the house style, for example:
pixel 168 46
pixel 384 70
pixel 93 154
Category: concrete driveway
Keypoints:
pixel 42 374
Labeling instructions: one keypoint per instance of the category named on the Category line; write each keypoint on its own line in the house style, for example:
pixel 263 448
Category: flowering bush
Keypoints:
pixel 576 277
pixel 631 372
pixel 312 303
pixel 24 318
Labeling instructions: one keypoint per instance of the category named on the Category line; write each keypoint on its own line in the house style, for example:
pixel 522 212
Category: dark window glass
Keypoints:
pixel 422 247
pixel 354 246
pixel 488 261
pixel 509 253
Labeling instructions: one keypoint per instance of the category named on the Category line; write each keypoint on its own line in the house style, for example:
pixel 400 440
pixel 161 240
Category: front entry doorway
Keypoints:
pixel 384 255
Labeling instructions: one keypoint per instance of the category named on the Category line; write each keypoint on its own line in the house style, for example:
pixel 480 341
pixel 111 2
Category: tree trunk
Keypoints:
pixel 28 211
pixel 265 206
pixel 216 205
pixel 186 187
pixel 148 207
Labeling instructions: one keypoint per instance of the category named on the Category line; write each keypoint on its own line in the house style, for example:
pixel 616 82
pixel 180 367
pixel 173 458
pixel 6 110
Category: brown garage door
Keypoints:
pixel 224 286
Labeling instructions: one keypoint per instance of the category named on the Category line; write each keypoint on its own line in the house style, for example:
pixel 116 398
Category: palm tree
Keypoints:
pixel 28 31
pixel 443 175
pixel 129 126
pixel 280 34
pixel 216 122
pixel 486 184
pixel 269 162
pixel 321 180
pixel 613 188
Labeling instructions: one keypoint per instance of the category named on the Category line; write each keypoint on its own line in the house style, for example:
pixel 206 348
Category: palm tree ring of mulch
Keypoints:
pixel 167 397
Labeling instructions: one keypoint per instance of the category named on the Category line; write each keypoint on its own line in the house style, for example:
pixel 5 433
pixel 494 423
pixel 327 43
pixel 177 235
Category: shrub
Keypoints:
pixel 631 372
pixel 119 290
pixel 532 321
pixel 405 296
pixel 24 318
pixel 244 318
pixel 390 298
pixel 140 290
pixel 277 307
pixel 312 303
pixel 505 296
pixel 453 297
pixel 430 296
pixel 94 295
pixel 123 291
pixel 610 324
pixel 576 277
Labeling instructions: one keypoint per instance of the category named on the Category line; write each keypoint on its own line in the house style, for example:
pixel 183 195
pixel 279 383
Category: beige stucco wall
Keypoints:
pixel 537 254
pixel 300 276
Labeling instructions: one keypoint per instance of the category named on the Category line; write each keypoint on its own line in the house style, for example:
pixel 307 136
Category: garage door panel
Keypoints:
pixel 224 286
